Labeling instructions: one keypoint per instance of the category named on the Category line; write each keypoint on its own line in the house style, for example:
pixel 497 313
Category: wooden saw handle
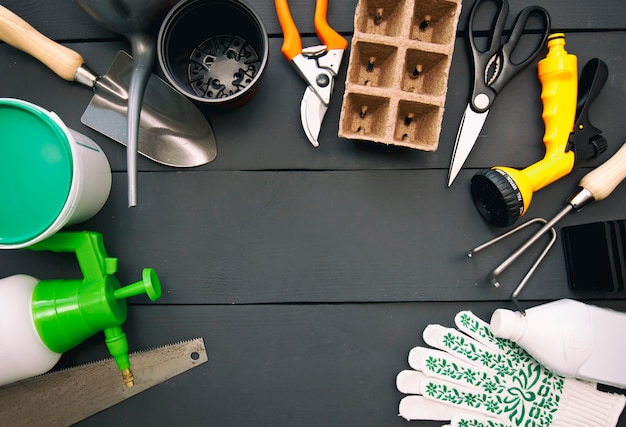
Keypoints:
pixel 21 35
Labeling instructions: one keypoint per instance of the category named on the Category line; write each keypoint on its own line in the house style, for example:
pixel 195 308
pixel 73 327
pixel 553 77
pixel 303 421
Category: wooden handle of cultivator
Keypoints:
pixel 601 181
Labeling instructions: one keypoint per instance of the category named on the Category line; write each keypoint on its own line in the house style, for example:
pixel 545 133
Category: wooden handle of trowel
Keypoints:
pixel 601 181
pixel 21 35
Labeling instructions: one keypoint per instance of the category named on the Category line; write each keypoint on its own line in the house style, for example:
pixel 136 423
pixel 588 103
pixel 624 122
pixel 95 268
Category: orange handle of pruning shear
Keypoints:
pixel 327 35
pixel 292 44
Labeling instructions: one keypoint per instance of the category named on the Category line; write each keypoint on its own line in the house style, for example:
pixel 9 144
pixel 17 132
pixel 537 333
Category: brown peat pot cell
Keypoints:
pixel 398 71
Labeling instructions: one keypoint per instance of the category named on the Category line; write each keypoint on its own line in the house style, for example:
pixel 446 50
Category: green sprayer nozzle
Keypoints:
pixel 66 312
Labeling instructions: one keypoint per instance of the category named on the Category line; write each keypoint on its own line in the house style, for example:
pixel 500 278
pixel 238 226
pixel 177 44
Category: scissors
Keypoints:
pixel 317 65
pixel 493 68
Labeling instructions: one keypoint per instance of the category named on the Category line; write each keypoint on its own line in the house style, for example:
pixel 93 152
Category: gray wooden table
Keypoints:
pixel 311 272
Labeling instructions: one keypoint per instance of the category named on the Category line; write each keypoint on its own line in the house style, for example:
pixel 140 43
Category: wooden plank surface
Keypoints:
pixel 64 20
pixel 261 237
pixel 311 272
pixel 512 134
pixel 285 365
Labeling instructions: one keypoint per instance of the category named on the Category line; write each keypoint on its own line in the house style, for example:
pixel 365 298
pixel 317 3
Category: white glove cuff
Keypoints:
pixel 582 405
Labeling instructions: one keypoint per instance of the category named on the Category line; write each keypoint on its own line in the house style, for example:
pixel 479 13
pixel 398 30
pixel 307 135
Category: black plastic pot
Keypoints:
pixel 213 51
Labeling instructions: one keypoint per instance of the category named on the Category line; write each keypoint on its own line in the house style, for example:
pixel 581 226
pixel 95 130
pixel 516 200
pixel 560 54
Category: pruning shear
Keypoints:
pixel 493 68
pixel 317 65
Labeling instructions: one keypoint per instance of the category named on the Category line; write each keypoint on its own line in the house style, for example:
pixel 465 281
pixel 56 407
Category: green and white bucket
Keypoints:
pixel 50 176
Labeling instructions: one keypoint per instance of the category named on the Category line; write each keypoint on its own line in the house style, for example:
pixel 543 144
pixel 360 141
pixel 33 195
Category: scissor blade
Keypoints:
pixel 469 129
pixel 312 111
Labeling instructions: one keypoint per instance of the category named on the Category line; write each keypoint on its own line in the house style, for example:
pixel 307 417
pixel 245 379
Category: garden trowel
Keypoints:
pixel 172 130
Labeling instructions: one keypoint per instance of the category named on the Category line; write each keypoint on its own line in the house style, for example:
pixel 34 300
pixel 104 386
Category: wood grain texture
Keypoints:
pixel 18 33
pixel 334 236
pixel 311 272
pixel 64 20
pixel 282 365
pixel 512 135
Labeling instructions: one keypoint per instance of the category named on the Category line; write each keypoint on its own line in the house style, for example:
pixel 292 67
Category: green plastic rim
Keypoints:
pixel 36 167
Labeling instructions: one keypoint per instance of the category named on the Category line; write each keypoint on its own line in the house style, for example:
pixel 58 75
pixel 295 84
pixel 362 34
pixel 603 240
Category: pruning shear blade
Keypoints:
pixel 317 65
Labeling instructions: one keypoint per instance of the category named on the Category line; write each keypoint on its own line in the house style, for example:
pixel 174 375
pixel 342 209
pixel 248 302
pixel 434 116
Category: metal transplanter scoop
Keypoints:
pixel 172 130
pixel 134 19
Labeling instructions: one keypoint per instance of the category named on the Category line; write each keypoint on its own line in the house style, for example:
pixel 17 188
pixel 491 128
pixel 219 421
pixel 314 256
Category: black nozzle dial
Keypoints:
pixel 496 197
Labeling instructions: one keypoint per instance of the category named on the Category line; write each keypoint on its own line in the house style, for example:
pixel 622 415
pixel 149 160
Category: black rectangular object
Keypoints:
pixel 595 255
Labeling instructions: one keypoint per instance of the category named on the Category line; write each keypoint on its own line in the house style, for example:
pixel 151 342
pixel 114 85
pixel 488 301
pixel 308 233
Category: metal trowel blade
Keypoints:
pixel 172 130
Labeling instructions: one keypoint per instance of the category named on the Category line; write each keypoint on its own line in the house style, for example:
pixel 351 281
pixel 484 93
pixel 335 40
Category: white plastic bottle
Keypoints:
pixel 41 319
pixel 570 338
pixel 22 352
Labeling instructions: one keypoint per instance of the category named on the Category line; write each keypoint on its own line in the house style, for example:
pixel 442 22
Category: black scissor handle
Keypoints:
pixel 497 27
pixel 481 58
pixel 509 68
pixel 485 91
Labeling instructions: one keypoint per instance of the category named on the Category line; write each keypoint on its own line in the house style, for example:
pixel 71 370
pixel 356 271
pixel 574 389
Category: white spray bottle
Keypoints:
pixel 570 338
pixel 40 320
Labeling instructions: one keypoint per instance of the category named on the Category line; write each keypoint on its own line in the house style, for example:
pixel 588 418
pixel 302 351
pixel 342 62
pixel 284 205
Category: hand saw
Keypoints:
pixel 91 388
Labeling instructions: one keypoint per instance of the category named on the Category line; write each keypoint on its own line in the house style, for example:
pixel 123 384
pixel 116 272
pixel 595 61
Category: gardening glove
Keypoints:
pixel 478 380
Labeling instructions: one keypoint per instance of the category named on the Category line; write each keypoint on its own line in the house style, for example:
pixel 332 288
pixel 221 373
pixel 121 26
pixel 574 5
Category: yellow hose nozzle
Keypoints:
pixel 503 194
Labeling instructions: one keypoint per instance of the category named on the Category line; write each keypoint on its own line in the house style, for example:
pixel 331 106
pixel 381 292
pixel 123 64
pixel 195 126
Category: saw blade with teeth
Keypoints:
pixel 90 388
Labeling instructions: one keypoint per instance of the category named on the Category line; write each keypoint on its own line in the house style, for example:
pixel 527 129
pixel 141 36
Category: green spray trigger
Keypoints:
pixel 66 312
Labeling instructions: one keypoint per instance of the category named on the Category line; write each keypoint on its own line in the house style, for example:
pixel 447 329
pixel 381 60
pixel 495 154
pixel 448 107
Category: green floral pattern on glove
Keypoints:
pixel 493 376
pixel 477 423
